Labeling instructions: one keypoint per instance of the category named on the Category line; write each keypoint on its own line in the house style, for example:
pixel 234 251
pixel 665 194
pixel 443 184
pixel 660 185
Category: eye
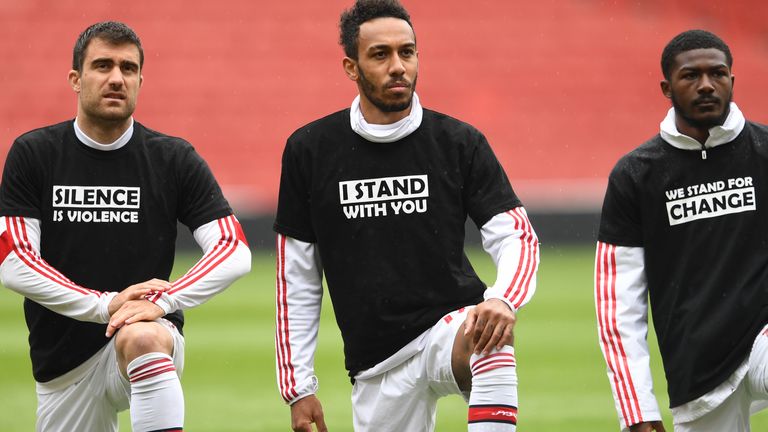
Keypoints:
pixel 131 68
pixel 380 55
pixel 690 76
pixel 407 52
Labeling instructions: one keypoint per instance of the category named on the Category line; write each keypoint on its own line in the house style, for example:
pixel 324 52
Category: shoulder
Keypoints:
pixel 452 127
pixel 157 139
pixel 642 155
pixel 758 128
pixel 45 135
pixel 332 123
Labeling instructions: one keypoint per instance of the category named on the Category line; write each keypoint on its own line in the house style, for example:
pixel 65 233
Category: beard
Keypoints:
pixel 369 91
pixel 703 123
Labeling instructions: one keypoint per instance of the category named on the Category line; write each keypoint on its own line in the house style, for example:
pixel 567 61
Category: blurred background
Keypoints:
pixel 561 89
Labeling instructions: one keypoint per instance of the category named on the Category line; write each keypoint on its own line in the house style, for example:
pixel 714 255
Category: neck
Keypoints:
pixel 699 133
pixel 103 131
pixel 374 115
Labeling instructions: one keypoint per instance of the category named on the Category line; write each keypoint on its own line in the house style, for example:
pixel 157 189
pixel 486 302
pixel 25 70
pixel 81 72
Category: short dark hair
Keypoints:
pixel 111 31
pixel 691 40
pixel 363 11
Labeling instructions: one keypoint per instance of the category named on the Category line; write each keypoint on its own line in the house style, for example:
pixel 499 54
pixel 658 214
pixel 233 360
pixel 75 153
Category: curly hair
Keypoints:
pixel 363 11
pixel 111 31
pixel 691 40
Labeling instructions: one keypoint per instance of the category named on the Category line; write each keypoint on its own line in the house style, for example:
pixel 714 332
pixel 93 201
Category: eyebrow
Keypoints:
pixel 706 66
pixel 110 60
pixel 388 46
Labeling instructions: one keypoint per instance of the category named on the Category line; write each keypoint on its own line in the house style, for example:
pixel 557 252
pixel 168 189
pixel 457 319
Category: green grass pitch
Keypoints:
pixel 229 378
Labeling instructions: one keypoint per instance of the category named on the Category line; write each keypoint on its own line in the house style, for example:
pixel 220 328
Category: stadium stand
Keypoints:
pixel 561 88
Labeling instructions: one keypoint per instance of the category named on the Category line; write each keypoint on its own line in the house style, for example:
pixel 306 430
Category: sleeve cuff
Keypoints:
pixel 307 388
pixel 489 294
pixel 166 303
pixel 104 302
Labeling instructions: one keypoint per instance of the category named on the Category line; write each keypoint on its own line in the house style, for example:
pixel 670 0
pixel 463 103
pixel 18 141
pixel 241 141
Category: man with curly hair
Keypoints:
pixel 375 197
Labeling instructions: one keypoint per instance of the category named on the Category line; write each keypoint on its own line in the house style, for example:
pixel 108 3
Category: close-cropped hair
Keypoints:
pixel 114 32
pixel 691 40
pixel 363 11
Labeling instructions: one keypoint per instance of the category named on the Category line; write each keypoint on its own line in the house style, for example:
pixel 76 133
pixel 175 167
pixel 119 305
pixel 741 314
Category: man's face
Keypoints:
pixel 108 85
pixel 387 65
pixel 700 87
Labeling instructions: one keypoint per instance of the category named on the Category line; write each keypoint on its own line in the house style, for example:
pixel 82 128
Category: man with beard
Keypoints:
pixel 88 216
pixel 376 197
pixel 684 225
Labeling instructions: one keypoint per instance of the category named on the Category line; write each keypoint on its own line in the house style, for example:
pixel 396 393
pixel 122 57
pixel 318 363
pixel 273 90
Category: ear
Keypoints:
pixel 74 80
pixel 666 89
pixel 350 68
pixel 141 80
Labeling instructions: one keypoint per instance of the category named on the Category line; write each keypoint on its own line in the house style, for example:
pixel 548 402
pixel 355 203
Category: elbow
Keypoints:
pixel 242 261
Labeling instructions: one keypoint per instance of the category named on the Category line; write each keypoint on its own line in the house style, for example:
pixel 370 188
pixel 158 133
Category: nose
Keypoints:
pixel 705 84
pixel 115 78
pixel 396 65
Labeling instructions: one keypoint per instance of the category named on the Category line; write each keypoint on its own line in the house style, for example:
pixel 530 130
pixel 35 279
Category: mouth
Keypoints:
pixel 705 102
pixel 398 85
pixel 119 96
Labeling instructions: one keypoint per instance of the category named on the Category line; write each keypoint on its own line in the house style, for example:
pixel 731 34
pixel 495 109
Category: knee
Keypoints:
pixel 142 338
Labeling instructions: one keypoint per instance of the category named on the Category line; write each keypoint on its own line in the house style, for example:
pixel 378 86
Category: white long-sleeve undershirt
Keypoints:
pixel 508 238
pixel 226 257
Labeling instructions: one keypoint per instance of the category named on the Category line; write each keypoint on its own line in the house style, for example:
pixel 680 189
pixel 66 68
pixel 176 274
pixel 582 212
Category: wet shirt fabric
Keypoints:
pixel 701 224
pixel 108 221
pixel 388 220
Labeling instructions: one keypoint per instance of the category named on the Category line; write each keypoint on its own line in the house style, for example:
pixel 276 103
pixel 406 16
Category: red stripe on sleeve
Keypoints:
pixel 615 355
pixel 288 379
pixel 23 249
pixel 225 248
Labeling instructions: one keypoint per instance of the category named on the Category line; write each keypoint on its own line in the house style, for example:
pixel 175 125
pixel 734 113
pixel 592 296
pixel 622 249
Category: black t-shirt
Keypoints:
pixel 108 221
pixel 388 220
pixel 702 224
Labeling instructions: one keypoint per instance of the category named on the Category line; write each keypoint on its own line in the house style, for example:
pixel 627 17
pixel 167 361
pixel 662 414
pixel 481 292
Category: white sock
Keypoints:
pixel 157 401
pixel 493 399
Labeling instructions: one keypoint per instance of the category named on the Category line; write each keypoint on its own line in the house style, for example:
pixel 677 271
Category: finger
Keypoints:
pixel 145 315
pixel 480 335
pixel 138 293
pixel 320 423
pixel 114 325
pixel 157 285
pixel 483 334
pixel 162 285
pixel 495 338
pixel 477 332
pixel 321 427
pixel 304 427
pixel 110 330
pixel 506 337
pixel 469 322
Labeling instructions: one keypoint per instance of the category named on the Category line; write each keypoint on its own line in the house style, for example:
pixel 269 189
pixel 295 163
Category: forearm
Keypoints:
pixel 622 318
pixel 513 245
pixel 24 271
pixel 299 293
pixel 226 258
